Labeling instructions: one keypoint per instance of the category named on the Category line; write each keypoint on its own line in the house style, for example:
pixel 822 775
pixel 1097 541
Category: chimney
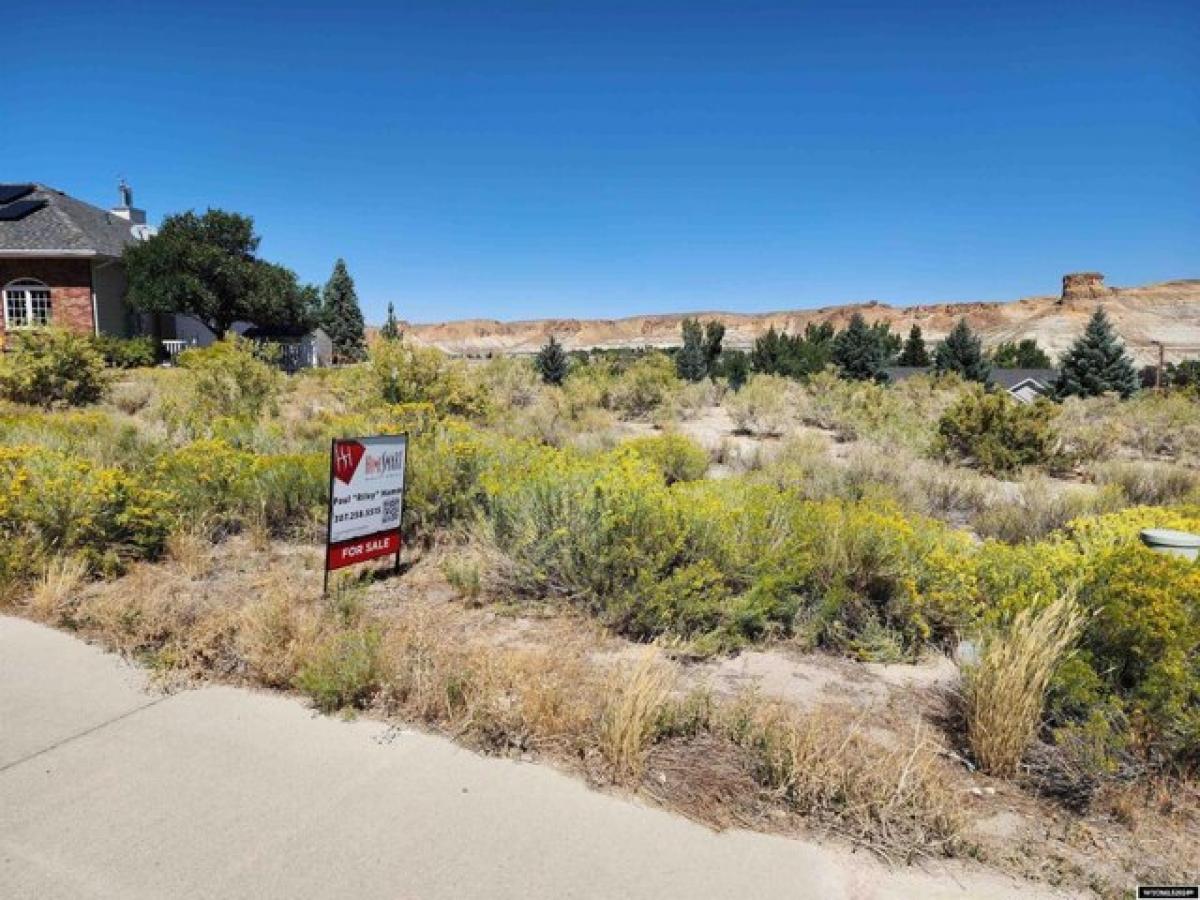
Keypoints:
pixel 127 210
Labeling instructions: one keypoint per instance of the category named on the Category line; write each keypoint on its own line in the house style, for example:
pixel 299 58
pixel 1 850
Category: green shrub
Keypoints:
pixel 763 404
pixel 127 353
pixel 48 367
pixel 997 433
pixel 1140 656
pixel 344 670
pixel 229 380
pixel 678 458
pixel 403 372
pixel 646 384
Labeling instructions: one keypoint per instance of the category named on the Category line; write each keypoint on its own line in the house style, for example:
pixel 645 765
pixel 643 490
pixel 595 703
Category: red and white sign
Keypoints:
pixel 366 499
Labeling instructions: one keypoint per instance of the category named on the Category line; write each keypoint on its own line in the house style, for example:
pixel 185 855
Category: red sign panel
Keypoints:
pixel 347 553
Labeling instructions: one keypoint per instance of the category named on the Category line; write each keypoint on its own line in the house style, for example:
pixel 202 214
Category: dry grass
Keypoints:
pixel 1006 689
pixel 722 763
pixel 1147 483
pixel 191 550
pixel 892 797
pixel 58 587
pixel 634 704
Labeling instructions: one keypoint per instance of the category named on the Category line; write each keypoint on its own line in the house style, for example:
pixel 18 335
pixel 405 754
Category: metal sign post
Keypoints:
pixel 366 500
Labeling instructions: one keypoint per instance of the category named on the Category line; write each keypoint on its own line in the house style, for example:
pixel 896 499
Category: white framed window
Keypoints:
pixel 26 304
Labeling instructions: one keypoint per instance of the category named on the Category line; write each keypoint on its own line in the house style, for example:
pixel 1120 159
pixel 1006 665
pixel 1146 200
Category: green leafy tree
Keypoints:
pixel 859 351
pixel 552 362
pixel 914 353
pixel 1025 354
pixel 1097 363
pixel 714 334
pixel 691 363
pixel 962 352
pixel 391 328
pixel 340 315
pixel 205 266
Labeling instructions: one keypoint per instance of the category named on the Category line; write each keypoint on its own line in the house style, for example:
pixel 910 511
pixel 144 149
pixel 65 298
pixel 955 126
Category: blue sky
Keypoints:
pixel 530 159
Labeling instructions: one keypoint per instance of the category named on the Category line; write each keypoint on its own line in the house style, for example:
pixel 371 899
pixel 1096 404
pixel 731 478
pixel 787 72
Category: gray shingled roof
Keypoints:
pixel 66 224
pixel 1006 378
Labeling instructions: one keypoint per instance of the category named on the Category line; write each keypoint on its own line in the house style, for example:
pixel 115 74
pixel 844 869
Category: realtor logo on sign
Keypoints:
pixel 366 499
pixel 346 456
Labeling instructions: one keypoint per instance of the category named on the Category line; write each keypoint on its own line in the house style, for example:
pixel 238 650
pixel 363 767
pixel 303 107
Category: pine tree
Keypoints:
pixel 690 362
pixel 962 352
pixel 914 353
pixel 714 334
pixel 1097 363
pixel 340 315
pixel 391 328
pixel 552 362
pixel 735 367
pixel 859 351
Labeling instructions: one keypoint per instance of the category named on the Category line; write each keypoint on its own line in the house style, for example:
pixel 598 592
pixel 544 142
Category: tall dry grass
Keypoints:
pixel 1005 691
pixel 633 707
pixel 58 587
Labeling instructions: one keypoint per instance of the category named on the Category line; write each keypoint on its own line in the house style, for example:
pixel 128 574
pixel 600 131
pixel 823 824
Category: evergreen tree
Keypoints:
pixel 962 352
pixel 914 353
pixel 1024 355
pixel 889 341
pixel 341 317
pixel 391 328
pixel 735 368
pixel 552 362
pixel 690 361
pixel 714 334
pixel 765 356
pixel 794 356
pixel 1097 363
pixel 859 351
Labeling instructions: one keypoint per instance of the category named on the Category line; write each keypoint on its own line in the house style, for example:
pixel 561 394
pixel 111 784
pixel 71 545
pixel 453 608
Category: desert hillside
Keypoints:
pixel 1167 311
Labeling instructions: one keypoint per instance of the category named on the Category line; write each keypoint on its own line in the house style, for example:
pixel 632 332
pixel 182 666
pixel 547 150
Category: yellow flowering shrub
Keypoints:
pixel 61 504
pixel 679 458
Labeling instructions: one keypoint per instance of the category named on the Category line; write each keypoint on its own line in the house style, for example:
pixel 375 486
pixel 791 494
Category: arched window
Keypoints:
pixel 26 304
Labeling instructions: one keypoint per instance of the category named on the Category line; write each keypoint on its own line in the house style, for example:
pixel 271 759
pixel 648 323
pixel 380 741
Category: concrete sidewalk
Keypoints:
pixel 108 790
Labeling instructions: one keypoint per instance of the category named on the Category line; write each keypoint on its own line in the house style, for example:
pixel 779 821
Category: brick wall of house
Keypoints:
pixel 70 283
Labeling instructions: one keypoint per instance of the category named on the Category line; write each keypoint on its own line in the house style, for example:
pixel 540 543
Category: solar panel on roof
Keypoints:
pixel 19 210
pixel 11 192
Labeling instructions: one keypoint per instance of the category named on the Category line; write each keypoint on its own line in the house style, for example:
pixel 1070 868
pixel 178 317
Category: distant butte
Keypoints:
pixel 1167 311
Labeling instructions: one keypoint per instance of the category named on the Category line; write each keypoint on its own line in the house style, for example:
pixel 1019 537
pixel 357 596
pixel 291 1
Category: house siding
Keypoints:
pixel 108 282
pixel 70 283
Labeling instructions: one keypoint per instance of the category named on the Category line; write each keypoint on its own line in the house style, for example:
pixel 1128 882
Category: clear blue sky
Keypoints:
pixel 528 159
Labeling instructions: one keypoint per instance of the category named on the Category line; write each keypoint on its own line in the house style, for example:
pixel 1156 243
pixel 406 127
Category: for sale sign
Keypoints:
pixel 366 499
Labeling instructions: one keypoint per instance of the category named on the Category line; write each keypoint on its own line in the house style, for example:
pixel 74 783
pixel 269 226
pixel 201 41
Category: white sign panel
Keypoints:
pixel 366 498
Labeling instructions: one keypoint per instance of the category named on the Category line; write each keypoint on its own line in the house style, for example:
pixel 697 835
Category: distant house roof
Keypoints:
pixel 42 220
pixel 1005 378
pixel 257 333
pixel 1011 378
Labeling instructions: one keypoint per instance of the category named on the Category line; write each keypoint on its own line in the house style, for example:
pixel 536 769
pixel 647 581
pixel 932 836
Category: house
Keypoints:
pixel 299 349
pixel 60 261
pixel 60 265
pixel 1025 385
